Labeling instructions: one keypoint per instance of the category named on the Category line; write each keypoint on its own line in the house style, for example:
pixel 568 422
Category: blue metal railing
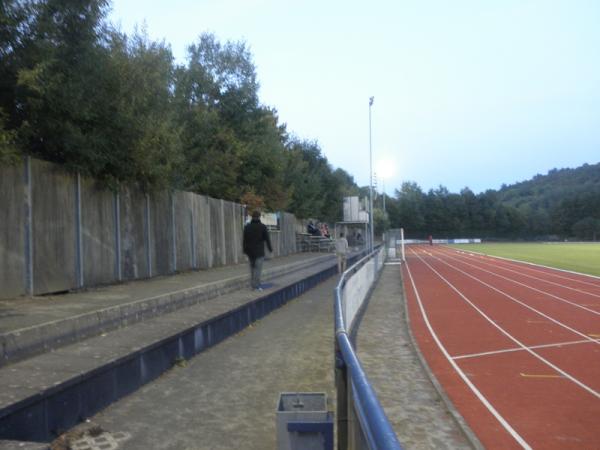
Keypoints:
pixel 375 430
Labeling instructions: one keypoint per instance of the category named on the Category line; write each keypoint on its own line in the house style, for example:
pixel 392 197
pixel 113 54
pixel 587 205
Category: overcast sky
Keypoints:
pixel 467 93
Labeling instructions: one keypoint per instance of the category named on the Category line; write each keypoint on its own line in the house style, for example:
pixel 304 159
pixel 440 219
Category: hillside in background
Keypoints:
pixel 563 204
pixel 547 191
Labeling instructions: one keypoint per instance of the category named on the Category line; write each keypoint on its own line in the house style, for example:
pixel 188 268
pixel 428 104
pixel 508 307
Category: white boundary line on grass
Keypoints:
pixel 462 375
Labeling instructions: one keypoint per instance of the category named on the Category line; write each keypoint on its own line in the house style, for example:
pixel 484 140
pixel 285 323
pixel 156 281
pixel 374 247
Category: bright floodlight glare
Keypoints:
pixel 385 168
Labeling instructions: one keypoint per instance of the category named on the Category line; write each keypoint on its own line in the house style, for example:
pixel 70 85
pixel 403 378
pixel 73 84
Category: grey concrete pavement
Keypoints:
pixel 22 312
pixel 29 326
pixel 416 410
pixel 225 398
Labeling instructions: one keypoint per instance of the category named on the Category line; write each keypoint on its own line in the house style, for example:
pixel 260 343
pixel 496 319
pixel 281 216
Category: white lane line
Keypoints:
pixel 534 265
pixel 461 374
pixel 519 349
pixel 556 297
pixel 531 276
pixel 573 330
pixel 514 339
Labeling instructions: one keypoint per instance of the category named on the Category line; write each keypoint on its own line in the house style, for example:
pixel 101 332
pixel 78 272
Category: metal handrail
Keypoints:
pixel 376 427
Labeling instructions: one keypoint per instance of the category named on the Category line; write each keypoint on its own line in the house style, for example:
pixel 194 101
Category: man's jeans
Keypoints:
pixel 255 271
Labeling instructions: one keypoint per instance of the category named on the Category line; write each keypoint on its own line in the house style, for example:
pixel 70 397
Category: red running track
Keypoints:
pixel 515 346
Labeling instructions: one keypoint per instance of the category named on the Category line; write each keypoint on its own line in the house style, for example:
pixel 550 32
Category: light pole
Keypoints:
pixel 384 196
pixel 371 180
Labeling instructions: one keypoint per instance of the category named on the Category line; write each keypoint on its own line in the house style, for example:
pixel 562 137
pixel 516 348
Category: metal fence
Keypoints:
pixel 362 423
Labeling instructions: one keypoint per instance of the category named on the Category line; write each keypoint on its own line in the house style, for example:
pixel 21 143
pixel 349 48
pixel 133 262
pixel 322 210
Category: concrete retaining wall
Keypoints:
pixel 53 228
pixel 12 231
pixel 60 231
pixel 98 234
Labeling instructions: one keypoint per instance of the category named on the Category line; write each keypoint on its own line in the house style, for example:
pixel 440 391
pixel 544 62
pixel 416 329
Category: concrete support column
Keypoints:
pixel 117 207
pixel 223 241
pixel 28 228
pixel 193 240
pixel 173 234
pixel 78 234
pixel 148 237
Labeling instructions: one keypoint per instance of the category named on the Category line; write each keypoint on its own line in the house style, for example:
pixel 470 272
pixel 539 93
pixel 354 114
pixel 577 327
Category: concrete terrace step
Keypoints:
pixel 47 394
pixel 33 326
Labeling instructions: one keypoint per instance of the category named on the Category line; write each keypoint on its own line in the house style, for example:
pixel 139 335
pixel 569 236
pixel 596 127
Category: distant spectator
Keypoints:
pixel 341 250
pixel 325 230
pixel 256 236
pixel 311 229
pixel 430 238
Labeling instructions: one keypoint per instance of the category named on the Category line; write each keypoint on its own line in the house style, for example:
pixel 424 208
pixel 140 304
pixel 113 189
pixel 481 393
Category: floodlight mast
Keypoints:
pixel 371 221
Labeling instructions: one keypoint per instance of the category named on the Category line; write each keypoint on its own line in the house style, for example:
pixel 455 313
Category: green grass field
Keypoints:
pixel 584 258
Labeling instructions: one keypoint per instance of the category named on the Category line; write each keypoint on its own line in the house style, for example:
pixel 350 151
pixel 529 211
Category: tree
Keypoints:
pixel 587 228
pixel 411 204
pixel 9 153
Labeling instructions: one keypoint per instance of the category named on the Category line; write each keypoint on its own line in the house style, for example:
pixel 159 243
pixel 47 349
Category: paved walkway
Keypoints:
pixel 385 348
pixel 226 397
pixel 30 326
pixel 23 312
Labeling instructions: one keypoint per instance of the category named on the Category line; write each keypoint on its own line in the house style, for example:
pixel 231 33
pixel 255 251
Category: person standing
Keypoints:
pixel 256 236
pixel 341 250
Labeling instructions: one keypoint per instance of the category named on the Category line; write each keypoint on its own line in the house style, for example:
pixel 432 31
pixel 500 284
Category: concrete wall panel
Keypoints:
pixel 203 240
pixel 230 224
pixel 184 222
pixel 237 233
pixel 161 234
pixel 275 237
pixel 156 233
pixel 132 217
pixel 98 234
pixel 12 231
pixel 288 225
pixel 216 232
pixel 54 240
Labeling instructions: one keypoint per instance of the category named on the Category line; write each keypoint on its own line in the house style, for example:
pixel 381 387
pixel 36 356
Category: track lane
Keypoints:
pixel 567 310
pixel 512 318
pixel 508 311
pixel 568 278
pixel 587 298
pixel 530 374
pixel 489 425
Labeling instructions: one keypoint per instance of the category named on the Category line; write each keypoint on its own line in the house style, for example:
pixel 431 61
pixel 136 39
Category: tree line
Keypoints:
pixel 559 205
pixel 77 91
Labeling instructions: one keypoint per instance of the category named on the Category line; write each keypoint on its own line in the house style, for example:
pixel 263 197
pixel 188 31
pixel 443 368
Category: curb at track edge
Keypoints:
pixel 458 418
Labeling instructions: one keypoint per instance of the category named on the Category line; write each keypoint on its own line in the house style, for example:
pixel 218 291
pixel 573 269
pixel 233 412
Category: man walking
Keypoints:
pixel 255 237
pixel 341 250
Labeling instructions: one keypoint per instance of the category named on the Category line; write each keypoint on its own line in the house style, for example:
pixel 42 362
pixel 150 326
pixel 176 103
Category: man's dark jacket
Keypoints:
pixel 255 236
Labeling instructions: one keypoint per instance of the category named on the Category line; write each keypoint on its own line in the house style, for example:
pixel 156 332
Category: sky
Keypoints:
pixel 467 93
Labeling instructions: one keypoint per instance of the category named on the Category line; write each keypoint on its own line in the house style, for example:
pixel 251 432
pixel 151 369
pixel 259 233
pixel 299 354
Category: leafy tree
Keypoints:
pixel 380 220
pixel 9 153
pixel 410 211
pixel 587 228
